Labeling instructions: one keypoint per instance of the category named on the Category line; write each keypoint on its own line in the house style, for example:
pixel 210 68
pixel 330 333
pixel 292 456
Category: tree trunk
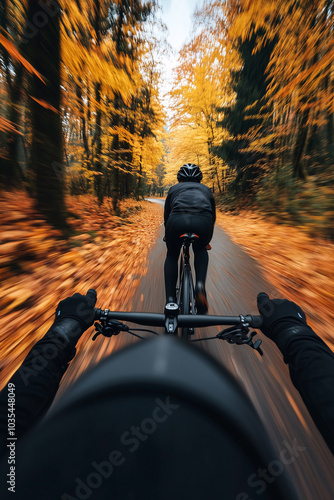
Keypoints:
pixel 11 174
pixel 98 150
pixel 217 177
pixel 297 165
pixel 302 133
pixel 140 178
pixel 330 130
pixel 83 121
pixel 329 89
pixel 46 160
pixel 114 154
pixel 98 119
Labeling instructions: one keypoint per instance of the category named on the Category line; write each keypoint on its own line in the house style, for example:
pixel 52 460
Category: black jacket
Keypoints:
pixel 311 366
pixel 310 361
pixel 190 198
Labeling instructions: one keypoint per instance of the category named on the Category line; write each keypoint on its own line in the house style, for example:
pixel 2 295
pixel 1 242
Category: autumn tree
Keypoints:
pixel 201 88
pixel 149 116
pixel 112 105
pixel 92 76
pixel 242 118
pixel 46 156
pixel 35 29
pixel 11 23
pixel 127 29
pixel 301 75
pixel 158 185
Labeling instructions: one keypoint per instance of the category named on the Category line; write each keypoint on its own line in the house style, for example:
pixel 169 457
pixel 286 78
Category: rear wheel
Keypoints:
pixel 185 302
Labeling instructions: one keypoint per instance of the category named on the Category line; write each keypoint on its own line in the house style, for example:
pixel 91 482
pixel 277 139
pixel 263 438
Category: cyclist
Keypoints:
pixel 189 207
pixel 156 420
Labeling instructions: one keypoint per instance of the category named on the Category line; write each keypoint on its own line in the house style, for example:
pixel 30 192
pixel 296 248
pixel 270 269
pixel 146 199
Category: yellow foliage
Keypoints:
pixel 201 88
pixel 93 63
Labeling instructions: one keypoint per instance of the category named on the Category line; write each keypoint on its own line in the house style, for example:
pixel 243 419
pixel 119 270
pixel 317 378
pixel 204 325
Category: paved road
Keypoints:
pixel 234 279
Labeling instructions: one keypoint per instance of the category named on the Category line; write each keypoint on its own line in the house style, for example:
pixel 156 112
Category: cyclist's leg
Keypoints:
pixel 171 273
pixel 201 264
pixel 173 231
pixel 204 229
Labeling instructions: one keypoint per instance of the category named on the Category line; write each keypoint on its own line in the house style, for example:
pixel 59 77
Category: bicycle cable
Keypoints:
pixel 141 330
pixel 205 338
pixel 135 335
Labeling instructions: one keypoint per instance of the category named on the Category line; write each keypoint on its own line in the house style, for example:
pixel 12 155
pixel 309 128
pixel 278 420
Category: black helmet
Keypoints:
pixel 189 172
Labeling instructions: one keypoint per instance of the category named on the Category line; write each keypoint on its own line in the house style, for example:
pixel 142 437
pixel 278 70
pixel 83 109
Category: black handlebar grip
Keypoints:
pixel 257 321
pixel 92 296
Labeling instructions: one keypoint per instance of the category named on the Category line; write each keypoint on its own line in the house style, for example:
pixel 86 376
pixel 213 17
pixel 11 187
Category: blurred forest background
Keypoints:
pixel 252 103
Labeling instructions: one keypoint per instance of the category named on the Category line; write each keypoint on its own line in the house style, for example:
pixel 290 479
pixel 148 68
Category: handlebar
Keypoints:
pixel 195 321
pixel 109 323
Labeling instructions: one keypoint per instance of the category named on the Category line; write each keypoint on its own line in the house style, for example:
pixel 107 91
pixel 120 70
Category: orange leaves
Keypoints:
pixel 38 268
pixel 300 268
pixel 12 50
pixel 6 125
pixel 45 104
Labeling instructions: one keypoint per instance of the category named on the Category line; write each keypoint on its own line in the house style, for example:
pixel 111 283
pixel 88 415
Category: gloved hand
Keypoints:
pixel 73 316
pixel 278 314
pixel 78 307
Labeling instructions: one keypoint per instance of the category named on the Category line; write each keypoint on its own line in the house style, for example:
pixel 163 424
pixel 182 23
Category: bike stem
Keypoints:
pixel 171 315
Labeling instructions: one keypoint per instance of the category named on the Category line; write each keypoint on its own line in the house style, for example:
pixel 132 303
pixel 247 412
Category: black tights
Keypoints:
pixel 177 225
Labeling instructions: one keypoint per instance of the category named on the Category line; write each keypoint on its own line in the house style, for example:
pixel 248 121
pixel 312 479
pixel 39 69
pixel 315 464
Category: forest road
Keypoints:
pixel 233 282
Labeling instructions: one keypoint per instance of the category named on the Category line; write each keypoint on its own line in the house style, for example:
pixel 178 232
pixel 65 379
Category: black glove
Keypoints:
pixel 78 307
pixel 278 315
pixel 73 316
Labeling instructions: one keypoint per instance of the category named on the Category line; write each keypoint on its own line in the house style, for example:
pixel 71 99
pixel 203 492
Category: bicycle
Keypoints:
pixel 109 323
pixel 185 291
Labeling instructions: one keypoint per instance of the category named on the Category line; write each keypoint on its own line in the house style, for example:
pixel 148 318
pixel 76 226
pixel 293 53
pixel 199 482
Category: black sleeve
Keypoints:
pixel 311 366
pixel 34 385
pixel 167 209
pixel 213 205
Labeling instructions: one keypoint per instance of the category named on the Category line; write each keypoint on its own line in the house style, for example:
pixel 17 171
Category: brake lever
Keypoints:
pixel 109 328
pixel 239 335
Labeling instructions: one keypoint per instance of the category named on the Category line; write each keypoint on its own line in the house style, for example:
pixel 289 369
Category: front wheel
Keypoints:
pixel 185 303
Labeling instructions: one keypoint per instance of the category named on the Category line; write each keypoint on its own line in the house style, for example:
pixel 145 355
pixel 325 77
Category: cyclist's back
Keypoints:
pixel 190 197
pixel 189 208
